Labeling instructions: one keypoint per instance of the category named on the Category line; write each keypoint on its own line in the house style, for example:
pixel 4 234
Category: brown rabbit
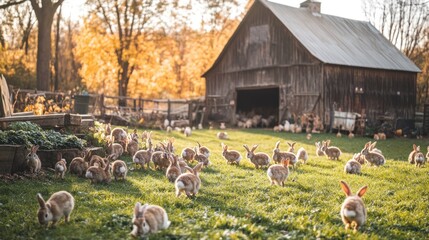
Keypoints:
pixel 278 173
pixel 291 147
pixel 119 170
pixel 202 158
pixel 353 212
pixel 319 151
pixel 60 166
pixel 189 182
pixel 331 152
pixel 352 166
pixel 148 219
pixel 142 157
pixel 99 175
pixel 416 149
pixel 160 159
pixel 231 156
pixel 115 148
pixel 79 165
pixel 373 158
pixel 203 150
pixel 132 144
pixel 259 159
pixel 278 155
pixel 58 205
pixel 188 154
pixel 173 170
pixel 33 161
pixel 118 134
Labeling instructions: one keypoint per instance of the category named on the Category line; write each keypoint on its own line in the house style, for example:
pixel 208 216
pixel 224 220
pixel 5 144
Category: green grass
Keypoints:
pixel 237 202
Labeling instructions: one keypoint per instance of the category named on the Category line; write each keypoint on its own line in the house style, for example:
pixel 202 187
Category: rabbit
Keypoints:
pixel 419 159
pixel 60 167
pixel 333 153
pixel 231 156
pixel 309 136
pixel 119 170
pixel 98 161
pixel 302 154
pixel 222 126
pixel 278 128
pixel 222 135
pixel 359 158
pixel 412 154
pixel 382 136
pixel 279 173
pixel 143 157
pixel 160 159
pixel 203 150
pixel 118 134
pixel 189 182
pixel 58 205
pixel 352 166
pixel 148 219
pixel 319 151
pixel 33 161
pixel 98 174
pixel 115 148
pixel 259 159
pixel 146 135
pixel 291 147
pixel 188 154
pixel 372 158
pixel 351 135
pixel 199 157
pixel 132 144
pixel 187 132
pixel 376 137
pixel 173 170
pixel 78 166
pixel 278 155
pixel 373 149
pixel 108 129
pixel 353 211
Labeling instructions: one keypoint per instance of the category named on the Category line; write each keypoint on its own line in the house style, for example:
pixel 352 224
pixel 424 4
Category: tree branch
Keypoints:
pixel 9 4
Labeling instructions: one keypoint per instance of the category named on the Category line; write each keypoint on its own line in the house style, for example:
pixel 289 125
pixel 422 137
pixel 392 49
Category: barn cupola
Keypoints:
pixel 311 5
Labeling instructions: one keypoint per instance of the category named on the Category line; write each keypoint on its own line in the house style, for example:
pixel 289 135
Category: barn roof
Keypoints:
pixel 341 41
pixel 337 40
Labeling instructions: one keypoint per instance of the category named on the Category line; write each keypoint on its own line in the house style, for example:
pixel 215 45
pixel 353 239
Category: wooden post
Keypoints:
pixel 135 104
pixel 102 108
pixel 190 106
pixel 169 109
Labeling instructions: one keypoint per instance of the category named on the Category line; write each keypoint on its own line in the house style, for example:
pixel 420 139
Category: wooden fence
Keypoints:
pixel 106 107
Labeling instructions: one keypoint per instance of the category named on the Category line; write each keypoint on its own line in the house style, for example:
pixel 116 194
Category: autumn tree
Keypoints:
pixel 126 21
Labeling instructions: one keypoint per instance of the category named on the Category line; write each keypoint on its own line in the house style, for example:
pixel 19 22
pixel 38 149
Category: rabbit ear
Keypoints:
pixel 198 167
pixel 418 149
pixel 34 148
pixel 246 147
pixel 277 144
pixel 362 191
pixel 346 188
pixel 254 147
pixel 199 145
pixel 328 142
pixel 293 144
pixel 143 208
pixel 414 147
pixel 42 203
pixel 372 146
pixel 137 212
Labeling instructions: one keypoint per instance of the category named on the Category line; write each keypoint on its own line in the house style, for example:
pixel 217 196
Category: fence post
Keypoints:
pixel 169 109
pixel 135 104
pixel 102 109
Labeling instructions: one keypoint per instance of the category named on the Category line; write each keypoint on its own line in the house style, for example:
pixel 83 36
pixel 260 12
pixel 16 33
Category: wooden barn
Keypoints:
pixel 285 61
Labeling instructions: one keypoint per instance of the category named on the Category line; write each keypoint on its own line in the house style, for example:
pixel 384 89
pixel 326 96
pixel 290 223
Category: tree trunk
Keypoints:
pixel 45 16
pixel 57 53
pixel 123 83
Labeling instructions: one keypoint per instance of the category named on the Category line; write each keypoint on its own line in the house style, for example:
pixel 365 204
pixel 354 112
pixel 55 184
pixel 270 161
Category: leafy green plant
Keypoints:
pixel 28 134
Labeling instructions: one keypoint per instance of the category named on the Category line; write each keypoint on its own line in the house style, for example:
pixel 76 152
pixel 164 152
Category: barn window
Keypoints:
pixel 261 101
pixel 259 34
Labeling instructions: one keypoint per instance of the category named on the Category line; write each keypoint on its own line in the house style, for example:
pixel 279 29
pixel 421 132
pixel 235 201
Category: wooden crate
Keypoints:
pixel 12 158
pixel 44 121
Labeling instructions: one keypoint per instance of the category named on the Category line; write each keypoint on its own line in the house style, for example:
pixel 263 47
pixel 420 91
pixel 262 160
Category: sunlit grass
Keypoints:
pixel 238 201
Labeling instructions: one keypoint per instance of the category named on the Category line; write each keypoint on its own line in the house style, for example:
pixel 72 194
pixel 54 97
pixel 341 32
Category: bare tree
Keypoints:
pixel 127 20
pixel 402 22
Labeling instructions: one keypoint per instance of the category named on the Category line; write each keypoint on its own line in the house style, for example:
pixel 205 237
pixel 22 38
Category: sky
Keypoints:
pixel 351 9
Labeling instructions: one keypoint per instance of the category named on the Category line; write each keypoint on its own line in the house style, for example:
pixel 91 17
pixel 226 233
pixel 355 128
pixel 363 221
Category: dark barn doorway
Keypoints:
pixel 262 101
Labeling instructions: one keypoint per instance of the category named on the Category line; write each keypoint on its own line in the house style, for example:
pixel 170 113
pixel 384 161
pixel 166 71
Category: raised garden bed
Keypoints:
pixel 12 158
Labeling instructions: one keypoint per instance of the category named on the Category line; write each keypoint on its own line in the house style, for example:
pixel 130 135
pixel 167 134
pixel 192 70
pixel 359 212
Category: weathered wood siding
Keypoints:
pixel 383 91
pixel 263 53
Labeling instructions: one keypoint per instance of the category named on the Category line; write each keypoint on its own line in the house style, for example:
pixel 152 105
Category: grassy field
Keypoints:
pixel 238 202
